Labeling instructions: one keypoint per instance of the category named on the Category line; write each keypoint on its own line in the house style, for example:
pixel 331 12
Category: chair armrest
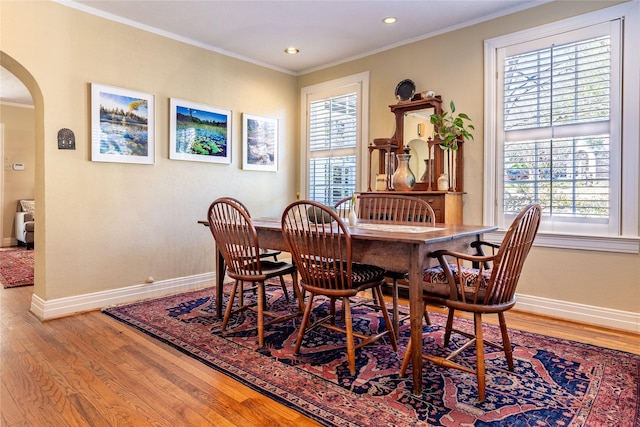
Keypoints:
pixel 478 246
pixel 441 254
pixel 479 260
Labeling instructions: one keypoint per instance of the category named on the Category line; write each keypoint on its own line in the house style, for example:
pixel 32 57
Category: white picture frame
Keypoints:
pixel 259 143
pixel 199 132
pixel 122 125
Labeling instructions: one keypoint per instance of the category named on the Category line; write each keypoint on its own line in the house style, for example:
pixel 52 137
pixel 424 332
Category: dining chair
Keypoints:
pixel 489 288
pixel 265 253
pixel 343 207
pixel 237 241
pixel 396 208
pixel 321 248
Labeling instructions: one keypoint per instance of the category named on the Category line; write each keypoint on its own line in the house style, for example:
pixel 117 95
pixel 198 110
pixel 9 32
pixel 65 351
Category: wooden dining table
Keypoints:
pixel 396 247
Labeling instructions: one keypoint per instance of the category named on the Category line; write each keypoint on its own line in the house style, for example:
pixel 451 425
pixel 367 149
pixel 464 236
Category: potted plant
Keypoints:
pixel 449 129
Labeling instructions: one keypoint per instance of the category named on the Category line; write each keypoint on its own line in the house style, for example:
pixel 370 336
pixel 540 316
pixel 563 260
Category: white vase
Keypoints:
pixel 443 183
pixel 353 218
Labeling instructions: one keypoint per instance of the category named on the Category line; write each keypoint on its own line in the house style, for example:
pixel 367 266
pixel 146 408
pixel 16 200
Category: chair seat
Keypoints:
pixel 268 253
pixel 435 281
pixel 272 269
pixel 398 275
pixel 362 275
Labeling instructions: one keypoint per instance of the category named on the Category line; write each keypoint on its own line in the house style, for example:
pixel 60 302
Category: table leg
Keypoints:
pixel 416 308
pixel 220 270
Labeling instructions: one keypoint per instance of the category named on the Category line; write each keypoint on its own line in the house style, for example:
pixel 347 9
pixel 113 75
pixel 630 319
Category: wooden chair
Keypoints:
pixel 343 207
pixel 489 288
pixel 264 253
pixel 396 208
pixel 322 252
pixel 237 241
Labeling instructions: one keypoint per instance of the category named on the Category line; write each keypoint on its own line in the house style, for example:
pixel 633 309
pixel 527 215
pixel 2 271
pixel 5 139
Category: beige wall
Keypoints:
pixel 108 226
pixel 452 65
pixel 19 147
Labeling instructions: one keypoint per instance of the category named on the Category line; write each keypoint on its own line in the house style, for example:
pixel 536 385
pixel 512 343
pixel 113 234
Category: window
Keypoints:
pixel 559 131
pixel 333 139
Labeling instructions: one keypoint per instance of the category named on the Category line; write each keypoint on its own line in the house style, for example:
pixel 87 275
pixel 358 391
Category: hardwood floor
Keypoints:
pixel 91 370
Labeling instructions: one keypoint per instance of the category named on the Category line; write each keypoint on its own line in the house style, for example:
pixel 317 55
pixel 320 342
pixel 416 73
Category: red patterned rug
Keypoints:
pixel 555 383
pixel 16 267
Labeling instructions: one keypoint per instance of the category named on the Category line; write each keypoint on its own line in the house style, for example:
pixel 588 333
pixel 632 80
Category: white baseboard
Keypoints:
pixel 46 310
pixel 599 316
pixel 52 309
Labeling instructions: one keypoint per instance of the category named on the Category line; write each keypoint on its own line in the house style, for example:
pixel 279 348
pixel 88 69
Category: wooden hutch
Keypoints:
pixel 447 205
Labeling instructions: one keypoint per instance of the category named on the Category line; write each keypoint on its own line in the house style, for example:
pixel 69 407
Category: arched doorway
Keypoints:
pixel 23 75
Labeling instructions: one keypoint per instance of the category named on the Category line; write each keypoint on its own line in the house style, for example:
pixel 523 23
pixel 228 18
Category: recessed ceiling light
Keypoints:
pixel 389 20
pixel 291 50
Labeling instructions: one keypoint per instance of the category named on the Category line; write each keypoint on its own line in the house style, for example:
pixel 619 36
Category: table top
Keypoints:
pixel 405 233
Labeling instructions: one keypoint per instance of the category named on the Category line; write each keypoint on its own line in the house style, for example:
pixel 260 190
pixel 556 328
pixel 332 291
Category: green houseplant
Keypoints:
pixel 450 129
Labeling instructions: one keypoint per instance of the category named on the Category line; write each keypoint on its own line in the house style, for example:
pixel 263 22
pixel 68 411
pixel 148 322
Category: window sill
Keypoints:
pixel 630 245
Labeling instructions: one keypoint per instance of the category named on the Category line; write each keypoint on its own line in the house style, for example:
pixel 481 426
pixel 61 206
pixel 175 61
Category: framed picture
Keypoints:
pixel 122 125
pixel 259 143
pixel 199 132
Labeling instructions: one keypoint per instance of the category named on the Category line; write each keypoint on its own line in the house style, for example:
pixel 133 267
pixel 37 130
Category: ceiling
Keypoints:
pixel 327 32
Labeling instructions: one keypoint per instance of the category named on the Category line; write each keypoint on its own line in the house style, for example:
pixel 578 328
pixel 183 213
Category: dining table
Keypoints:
pixel 396 247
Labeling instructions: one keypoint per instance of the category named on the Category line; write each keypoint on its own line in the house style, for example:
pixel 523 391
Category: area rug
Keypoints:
pixel 555 383
pixel 16 267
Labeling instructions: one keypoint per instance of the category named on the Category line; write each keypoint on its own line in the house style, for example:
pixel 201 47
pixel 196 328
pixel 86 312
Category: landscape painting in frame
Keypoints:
pixel 260 143
pixel 199 132
pixel 122 125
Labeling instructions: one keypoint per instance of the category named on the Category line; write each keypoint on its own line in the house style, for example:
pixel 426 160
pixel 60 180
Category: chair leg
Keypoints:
pixel 351 349
pixel 396 314
pixel 387 321
pixel 449 327
pixel 241 295
pixel 480 369
pixel 427 319
pixel 227 312
pixel 333 311
pixel 261 304
pixel 304 324
pixel 284 288
pixel 406 360
pixel 297 292
pixel 506 342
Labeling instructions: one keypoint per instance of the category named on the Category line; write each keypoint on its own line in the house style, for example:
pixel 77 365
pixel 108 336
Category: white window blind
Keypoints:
pixel 559 90
pixel 333 133
pixel 560 111
pixel 560 130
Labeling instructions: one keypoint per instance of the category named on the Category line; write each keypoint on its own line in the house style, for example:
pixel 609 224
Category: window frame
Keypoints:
pixel 627 240
pixel 358 83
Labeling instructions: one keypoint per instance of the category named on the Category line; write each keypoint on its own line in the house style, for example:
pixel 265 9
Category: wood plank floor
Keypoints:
pixel 91 370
